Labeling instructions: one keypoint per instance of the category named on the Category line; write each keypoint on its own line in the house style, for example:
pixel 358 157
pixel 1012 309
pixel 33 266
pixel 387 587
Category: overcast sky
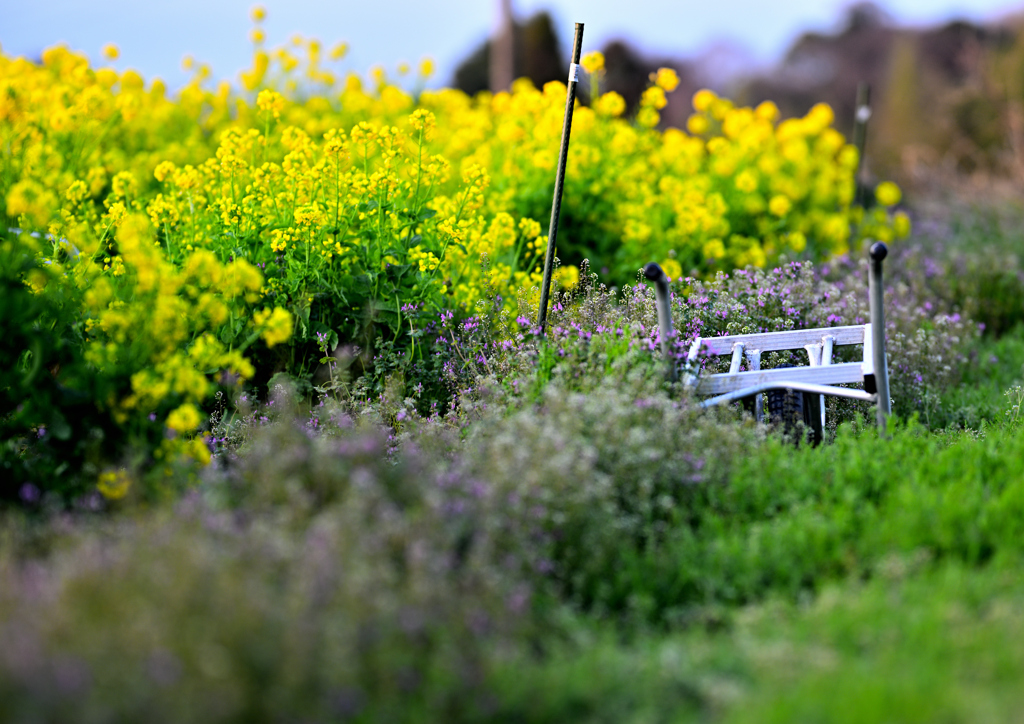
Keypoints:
pixel 154 35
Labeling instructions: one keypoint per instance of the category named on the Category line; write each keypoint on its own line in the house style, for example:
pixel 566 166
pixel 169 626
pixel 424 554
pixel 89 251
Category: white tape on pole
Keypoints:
pixel 574 72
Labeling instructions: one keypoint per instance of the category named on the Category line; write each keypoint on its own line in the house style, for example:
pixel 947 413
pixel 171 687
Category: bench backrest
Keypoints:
pixel 818 343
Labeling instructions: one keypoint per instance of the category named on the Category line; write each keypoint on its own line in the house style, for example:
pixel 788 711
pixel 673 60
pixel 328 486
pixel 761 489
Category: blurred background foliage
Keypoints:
pixel 947 99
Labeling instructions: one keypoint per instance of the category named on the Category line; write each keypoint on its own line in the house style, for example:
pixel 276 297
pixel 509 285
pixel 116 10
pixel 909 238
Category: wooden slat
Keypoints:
pixel 824 375
pixel 794 339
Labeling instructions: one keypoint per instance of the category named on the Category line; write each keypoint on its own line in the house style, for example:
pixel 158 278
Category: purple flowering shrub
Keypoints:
pixel 313 577
pixel 589 476
pixel 927 341
pixel 596 336
pixel 334 565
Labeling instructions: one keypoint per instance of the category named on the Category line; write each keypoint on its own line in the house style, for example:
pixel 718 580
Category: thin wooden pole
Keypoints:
pixel 556 204
pixel 860 137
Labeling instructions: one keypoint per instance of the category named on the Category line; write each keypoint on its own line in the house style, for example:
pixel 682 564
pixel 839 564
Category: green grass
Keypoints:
pixel 997 365
pixel 915 643
pixel 792 520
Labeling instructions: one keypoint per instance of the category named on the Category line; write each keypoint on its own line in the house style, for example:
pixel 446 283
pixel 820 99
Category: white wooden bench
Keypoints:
pixel 819 377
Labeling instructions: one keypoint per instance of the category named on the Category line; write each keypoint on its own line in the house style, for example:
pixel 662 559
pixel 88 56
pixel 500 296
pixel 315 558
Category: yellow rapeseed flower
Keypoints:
pixel 703 99
pixel 797 241
pixel 888 193
pixel 276 325
pixel 567 276
pixel 767 111
pixel 714 249
pixel 114 484
pixel 666 79
pixel 779 205
pixel 901 225
pixel 593 62
pixel 746 181
pixel 270 102
pixel 697 124
pixel 258 14
pixel 654 97
pixel 820 116
pixel 339 51
pixel 198 451
pixel 672 268
pixel 611 104
pixel 185 418
pixel 111 51
pixel 32 200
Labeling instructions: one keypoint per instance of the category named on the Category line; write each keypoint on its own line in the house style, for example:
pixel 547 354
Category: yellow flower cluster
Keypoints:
pixel 310 202
pixel 114 484
pixel 160 312
pixel 743 188
pixel 164 327
pixel 275 325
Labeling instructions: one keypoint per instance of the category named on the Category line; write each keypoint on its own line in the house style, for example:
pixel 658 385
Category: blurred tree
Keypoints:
pixel 503 57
